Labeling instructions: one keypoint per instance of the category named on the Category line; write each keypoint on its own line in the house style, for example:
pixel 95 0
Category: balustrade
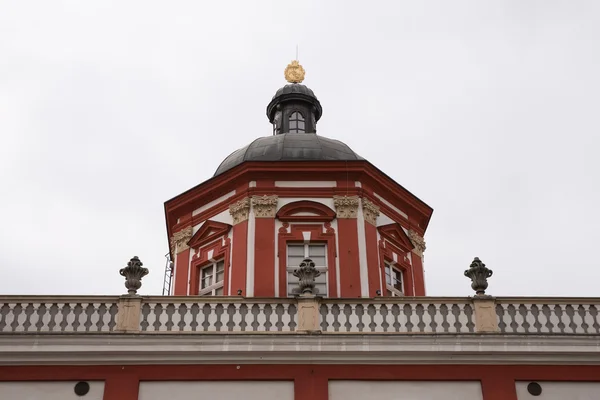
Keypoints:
pixel 397 315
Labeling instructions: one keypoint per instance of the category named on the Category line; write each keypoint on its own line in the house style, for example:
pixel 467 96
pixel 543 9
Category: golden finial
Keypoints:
pixel 294 73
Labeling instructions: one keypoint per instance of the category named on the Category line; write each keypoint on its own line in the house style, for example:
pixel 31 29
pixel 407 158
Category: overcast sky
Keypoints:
pixel 486 110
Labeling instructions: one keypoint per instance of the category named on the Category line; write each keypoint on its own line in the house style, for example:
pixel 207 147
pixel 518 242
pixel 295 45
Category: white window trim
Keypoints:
pixel 211 290
pixel 392 289
pixel 321 268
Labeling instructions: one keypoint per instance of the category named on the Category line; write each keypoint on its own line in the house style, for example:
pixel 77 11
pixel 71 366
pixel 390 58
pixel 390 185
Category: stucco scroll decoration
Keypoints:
pixel 418 241
pixel 264 206
pixel 370 211
pixel 346 206
pixel 180 239
pixel 240 210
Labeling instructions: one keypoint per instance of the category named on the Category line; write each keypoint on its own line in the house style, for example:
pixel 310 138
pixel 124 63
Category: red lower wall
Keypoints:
pixel 239 258
pixel 311 381
pixel 182 265
pixel 348 255
pixel 417 267
pixel 264 257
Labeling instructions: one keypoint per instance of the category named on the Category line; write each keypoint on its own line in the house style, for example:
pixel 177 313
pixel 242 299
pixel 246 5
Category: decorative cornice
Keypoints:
pixel 264 206
pixel 430 349
pixel 208 232
pixel 346 206
pixel 240 210
pixel 418 241
pixel 370 211
pixel 305 211
pixel 180 239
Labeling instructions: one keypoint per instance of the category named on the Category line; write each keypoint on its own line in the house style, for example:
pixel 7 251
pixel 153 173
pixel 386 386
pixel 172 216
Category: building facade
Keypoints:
pixel 298 274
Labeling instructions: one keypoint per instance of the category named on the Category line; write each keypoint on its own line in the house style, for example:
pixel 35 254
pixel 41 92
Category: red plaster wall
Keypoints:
pixel 264 257
pixel 182 263
pixel 417 267
pixel 239 258
pixel 348 254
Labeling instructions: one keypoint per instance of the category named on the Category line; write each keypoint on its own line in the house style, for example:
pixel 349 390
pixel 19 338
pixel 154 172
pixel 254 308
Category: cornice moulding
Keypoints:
pixel 482 349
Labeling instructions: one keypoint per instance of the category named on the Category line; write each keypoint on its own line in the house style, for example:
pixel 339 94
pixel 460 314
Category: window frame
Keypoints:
pixel 390 286
pixel 389 253
pixel 219 248
pixel 211 289
pixel 299 117
pixel 298 232
pixel 321 268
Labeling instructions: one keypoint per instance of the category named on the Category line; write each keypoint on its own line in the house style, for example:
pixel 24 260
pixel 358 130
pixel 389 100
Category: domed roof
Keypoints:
pixel 290 147
pixel 294 88
pixel 294 92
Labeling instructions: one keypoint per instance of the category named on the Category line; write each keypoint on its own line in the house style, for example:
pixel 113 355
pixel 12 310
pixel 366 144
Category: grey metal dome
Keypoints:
pixel 290 147
pixel 294 88
pixel 294 92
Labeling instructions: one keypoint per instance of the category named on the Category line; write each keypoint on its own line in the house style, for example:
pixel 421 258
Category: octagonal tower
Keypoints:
pixel 292 195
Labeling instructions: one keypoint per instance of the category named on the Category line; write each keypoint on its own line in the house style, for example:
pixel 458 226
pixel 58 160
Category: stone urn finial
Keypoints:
pixel 133 273
pixel 478 274
pixel 306 275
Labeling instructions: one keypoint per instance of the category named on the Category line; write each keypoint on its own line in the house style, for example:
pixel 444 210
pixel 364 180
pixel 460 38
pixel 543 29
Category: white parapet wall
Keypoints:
pixel 247 390
pixel 49 390
pixel 404 390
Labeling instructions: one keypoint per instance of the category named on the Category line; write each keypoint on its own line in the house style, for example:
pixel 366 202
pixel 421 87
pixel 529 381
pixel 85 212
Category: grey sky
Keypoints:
pixel 486 110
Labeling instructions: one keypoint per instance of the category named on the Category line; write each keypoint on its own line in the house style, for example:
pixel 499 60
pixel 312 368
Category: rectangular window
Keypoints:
pixel 298 252
pixel 211 279
pixel 393 280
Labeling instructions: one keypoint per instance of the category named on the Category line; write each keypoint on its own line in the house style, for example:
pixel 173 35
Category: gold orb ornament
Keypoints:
pixel 294 73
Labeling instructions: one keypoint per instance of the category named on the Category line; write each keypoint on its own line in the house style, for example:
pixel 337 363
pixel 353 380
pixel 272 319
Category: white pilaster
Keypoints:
pixel 362 253
pixel 250 255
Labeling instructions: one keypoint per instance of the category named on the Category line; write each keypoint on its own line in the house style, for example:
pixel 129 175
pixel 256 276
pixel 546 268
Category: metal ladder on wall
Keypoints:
pixel 168 276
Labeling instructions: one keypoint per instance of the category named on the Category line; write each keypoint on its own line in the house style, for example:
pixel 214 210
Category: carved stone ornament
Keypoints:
pixel 264 206
pixel 479 275
pixel 306 275
pixel 417 241
pixel 180 239
pixel 328 228
pixel 284 228
pixel 240 210
pixel 370 211
pixel 346 206
pixel 133 273
pixel 294 73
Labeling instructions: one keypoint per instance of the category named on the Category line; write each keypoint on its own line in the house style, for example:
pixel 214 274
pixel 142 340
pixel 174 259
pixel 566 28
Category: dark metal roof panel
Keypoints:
pixel 290 147
pixel 294 88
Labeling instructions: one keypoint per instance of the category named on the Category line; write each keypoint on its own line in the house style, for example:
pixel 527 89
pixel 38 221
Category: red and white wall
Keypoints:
pixel 250 228
pixel 303 382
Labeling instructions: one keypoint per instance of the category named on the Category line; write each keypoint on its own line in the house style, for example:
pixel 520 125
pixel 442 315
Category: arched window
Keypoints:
pixel 297 123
